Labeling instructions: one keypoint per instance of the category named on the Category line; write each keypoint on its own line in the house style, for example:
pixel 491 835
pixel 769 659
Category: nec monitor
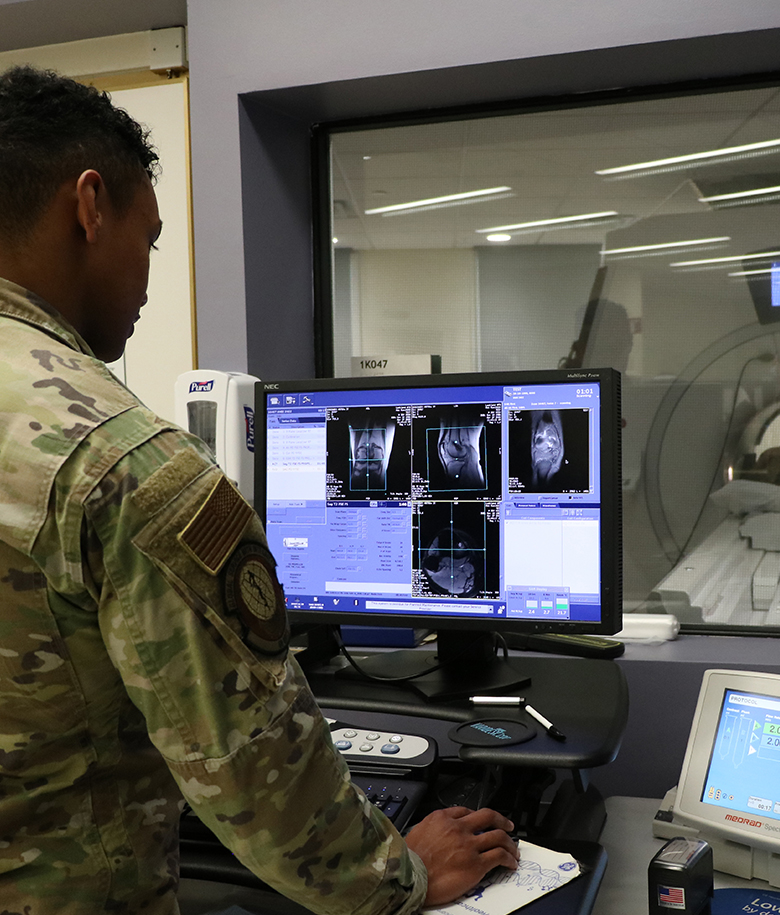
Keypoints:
pixel 457 503
pixel 729 788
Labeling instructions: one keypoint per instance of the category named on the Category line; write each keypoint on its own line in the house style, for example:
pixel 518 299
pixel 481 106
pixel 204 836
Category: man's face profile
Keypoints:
pixel 118 271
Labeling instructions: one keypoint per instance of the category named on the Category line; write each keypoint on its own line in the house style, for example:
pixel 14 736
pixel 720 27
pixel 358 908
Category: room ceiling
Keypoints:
pixel 31 23
pixel 549 160
pixel 549 166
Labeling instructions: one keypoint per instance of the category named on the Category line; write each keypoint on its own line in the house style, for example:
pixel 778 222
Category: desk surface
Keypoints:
pixel 630 845
pixel 586 699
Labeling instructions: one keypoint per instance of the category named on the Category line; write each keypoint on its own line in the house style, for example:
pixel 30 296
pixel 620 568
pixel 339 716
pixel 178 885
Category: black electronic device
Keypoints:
pixel 680 878
pixel 465 504
pixel 397 798
pixel 576 645
pixel 392 768
pixel 375 750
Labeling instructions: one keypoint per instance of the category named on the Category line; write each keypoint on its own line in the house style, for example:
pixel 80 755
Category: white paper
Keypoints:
pixel 539 871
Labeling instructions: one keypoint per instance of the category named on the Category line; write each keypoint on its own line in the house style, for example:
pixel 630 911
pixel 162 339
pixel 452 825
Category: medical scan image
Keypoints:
pixel 549 451
pixel 546 445
pixel 370 447
pixel 451 562
pixel 367 454
pixel 451 448
pixel 456 552
pixel 458 449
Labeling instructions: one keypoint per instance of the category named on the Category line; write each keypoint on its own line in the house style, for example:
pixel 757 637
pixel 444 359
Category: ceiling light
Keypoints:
pixel 499 236
pixel 556 221
pixel 667 244
pixel 749 149
pixel 755 192
pixel 754 272
pixel 724 260
pixel 433 201
pixel 335 241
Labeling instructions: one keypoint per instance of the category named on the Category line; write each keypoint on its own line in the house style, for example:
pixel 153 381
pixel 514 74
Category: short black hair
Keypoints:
pixel 51 130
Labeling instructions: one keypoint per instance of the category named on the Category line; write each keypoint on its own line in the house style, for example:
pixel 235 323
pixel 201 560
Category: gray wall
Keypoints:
pixel 277 232
pixel 241 46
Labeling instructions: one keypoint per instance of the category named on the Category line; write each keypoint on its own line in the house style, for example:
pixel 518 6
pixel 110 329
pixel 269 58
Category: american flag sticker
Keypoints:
pixel 671 897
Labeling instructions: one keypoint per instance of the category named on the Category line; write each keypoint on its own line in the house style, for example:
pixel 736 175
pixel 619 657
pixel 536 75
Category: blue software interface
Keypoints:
pixel 744 769
pixel 775 285
pixel 479 501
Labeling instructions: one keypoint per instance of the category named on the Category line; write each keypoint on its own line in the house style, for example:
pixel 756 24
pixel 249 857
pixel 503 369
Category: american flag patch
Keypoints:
pixel 215 531
pixel 671 897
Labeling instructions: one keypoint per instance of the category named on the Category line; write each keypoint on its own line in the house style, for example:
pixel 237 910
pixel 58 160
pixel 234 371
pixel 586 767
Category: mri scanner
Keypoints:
pixel 732 577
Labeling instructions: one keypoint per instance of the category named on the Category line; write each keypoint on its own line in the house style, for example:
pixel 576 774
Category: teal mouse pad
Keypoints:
pixel 746 902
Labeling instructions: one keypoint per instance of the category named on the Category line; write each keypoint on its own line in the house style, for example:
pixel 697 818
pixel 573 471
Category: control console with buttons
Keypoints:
pixel 369 751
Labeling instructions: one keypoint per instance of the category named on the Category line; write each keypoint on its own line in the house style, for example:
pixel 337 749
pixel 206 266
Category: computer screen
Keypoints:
pixel 451 502
pixel 743 767
pixel 729 785
pixel 763 278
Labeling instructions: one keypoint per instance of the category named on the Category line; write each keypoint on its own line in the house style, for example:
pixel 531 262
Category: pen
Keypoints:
pixel 497 700
pixel 545 723
pixel 519 700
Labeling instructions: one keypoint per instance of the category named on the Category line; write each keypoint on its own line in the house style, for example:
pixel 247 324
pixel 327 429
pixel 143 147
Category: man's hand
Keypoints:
pixel 458 847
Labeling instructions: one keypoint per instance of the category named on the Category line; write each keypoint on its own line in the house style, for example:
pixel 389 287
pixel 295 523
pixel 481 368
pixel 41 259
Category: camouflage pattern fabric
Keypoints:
pixel 143 660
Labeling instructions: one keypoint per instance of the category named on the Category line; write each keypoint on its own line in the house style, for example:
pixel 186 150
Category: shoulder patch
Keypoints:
pixel 254 595
pixel 215 531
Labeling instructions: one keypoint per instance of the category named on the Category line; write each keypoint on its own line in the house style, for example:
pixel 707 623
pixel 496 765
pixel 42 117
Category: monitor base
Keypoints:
pixel 464 665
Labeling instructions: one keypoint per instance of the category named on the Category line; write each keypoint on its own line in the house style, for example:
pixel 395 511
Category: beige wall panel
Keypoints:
pixel 435 312
pixel 161 347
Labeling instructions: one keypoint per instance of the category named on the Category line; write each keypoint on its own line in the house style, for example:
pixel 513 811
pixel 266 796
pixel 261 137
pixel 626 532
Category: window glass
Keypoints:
pixel 642 235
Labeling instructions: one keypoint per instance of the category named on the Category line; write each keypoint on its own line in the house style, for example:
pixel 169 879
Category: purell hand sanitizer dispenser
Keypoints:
pixel 219 407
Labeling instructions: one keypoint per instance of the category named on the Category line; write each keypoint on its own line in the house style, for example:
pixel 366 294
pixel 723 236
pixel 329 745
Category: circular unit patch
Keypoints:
pixel 493 732
pixel 253 593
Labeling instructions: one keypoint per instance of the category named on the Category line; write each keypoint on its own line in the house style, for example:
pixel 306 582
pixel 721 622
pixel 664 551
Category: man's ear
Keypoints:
pixel 90 196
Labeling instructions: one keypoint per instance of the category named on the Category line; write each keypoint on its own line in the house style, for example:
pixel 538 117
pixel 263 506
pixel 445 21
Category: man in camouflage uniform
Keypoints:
pixel 142 629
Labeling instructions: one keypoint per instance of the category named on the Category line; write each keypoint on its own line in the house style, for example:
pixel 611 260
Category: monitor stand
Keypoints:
pixel 469 666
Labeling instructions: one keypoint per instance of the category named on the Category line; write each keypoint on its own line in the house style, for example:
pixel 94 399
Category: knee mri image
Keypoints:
pixel 453 452
pixel 370 447
pixel 548 451
pixel 368 454
pixel 458 450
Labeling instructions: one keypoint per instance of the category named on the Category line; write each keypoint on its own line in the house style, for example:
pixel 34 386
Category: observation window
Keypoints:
pixel 639 232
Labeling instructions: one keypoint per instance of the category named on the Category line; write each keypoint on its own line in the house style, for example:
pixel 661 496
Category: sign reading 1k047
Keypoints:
pixel 395 364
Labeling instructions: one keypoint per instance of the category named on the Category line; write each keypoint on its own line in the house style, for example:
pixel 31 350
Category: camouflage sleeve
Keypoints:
pixel 194 623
